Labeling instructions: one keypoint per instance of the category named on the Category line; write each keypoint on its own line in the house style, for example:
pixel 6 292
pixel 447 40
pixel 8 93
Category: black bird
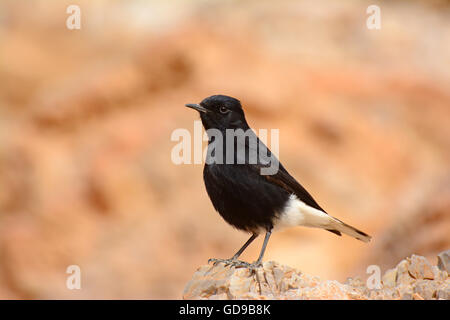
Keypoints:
pixel 245 197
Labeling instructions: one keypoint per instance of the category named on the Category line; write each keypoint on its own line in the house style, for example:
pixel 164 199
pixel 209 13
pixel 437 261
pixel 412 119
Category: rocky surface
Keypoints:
pixel 413 278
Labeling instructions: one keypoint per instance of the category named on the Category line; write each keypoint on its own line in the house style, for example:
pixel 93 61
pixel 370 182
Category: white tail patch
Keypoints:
pixel 298 213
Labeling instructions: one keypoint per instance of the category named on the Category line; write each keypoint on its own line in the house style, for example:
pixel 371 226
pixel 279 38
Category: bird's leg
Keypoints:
pixel 234 260
pixel 258 263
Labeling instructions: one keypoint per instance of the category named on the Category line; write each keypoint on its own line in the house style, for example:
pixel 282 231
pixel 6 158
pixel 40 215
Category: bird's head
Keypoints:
pixel 220 112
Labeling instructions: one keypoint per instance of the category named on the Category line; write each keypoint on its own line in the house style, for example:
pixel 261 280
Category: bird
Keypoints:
pixel 246 198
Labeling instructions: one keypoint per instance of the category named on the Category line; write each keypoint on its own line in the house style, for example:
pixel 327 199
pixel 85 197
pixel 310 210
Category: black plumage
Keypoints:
pixel 243 196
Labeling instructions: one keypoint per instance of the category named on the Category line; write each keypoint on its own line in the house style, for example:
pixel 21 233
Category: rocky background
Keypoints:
pixel 414 278
pixel 86 118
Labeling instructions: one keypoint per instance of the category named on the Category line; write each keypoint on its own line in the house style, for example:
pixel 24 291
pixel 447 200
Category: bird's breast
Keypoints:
pixel 242 197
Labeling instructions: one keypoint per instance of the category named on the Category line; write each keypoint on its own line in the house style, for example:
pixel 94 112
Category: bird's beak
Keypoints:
pixel 197 107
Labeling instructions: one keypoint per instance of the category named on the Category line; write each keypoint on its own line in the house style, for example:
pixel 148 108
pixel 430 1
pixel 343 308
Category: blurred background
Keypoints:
pixel 86 117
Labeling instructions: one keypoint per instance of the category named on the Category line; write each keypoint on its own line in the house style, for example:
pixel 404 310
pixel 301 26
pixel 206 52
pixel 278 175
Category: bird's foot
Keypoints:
pixel 255 266
pixel 230 262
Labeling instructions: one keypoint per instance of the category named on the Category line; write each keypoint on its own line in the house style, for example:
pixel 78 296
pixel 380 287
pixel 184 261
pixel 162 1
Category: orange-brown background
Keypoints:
pixel 86 117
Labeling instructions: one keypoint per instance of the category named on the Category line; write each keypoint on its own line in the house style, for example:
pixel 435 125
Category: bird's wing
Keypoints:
pixel 282 178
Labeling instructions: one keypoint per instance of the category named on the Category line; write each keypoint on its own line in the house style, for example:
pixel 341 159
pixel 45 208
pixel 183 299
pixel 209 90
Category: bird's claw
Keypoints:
pixel 237 263
pixel 217 261
pixel 254 266
pixel 230 262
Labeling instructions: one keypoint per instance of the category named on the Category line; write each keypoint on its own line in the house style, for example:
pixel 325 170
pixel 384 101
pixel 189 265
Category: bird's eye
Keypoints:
pixel 223 110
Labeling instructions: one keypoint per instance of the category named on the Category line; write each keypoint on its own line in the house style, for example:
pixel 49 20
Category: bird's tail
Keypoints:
pixel 337 226
pixel 297 213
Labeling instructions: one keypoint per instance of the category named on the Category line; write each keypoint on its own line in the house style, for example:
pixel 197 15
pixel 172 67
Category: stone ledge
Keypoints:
pixel 413 278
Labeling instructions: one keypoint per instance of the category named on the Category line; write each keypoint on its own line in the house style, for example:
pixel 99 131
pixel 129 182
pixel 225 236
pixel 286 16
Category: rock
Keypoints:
pixel 272 281
pixel 403 276
pixel 420 268
pixel 444 261
pixel 443 294
pixel 407 296
pixel 389 278
pixel 414 278
pixel 426 289
pixel 417 296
